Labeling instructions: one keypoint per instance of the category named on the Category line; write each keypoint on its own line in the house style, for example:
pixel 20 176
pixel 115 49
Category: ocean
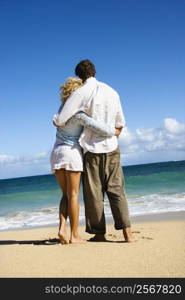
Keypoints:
pixel 150 189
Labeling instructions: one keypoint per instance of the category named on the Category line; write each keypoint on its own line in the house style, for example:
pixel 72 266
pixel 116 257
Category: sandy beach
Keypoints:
pixel 159 251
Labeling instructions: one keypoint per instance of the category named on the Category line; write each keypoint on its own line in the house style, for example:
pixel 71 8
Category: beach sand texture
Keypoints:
pixel 158 252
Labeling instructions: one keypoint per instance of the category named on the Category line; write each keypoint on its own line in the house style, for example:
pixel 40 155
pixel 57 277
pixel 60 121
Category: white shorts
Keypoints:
pixel 66 157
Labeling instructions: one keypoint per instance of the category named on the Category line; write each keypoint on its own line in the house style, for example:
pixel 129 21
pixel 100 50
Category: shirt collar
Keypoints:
pixel 90 79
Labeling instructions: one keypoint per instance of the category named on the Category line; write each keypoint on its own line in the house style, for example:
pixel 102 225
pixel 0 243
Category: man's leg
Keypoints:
pixel 94 195
pixel 116 194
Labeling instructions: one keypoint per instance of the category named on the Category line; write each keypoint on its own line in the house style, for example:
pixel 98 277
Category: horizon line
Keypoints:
pixel 121 166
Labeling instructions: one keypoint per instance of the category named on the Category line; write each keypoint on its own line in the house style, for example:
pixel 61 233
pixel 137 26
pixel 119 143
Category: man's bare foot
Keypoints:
pixel 127 233
pixel 98 238
pixel 63 237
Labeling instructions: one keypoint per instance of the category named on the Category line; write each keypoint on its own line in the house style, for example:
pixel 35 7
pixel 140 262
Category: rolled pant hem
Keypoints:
pixel 121 226
pixel 95 231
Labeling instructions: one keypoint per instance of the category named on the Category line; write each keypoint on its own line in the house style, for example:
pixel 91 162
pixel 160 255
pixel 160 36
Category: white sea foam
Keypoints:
pixel 156 203
pixel 138 205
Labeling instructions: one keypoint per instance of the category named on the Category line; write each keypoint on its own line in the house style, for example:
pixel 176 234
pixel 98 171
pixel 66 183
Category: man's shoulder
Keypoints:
pixel 85 88
pixel 108 88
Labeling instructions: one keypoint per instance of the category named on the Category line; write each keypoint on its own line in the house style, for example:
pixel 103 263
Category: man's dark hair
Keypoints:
pixel 85 69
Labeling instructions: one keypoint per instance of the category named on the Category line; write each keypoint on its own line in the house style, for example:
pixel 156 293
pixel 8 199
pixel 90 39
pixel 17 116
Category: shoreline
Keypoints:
pixel 158 217
pixel 177 215
pixel 157 252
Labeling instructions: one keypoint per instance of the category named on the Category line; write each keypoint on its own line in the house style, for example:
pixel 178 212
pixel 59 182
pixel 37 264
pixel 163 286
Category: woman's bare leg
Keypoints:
pixel 73 186
pixel 63 208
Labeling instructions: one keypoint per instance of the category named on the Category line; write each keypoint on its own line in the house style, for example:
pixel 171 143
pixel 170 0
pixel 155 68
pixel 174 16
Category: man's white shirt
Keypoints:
pixel 101 102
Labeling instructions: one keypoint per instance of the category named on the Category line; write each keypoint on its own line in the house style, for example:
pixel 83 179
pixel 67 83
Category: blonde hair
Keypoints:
pixel 69 86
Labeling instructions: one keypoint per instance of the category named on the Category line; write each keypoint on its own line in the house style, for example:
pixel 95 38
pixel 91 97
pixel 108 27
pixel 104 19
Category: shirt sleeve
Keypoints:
pixel 100 128
pixel 74 104
pixel 120 120
pixel 55 117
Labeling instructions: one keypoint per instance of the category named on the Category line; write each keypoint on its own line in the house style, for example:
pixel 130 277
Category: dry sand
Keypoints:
pixel 158 252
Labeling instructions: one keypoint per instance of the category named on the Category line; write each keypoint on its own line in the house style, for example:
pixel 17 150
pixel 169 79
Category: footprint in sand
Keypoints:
pixel 136 231
pixel 112 235
pixel 147 238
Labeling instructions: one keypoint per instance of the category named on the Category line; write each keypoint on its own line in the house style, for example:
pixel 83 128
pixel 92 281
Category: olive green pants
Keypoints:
pixel 103 174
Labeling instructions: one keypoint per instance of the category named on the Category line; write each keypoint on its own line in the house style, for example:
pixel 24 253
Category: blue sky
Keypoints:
pixel 138 48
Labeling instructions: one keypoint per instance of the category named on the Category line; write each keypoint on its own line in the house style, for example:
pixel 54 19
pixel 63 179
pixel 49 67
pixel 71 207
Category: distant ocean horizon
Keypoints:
pixel 153 188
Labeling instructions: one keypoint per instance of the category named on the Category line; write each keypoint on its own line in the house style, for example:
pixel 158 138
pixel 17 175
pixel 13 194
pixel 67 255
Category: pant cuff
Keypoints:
pixel 119 227
pixel 94 231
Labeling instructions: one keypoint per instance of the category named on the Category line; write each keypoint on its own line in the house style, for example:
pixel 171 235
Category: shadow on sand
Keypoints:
pixel 47 242
pixel 31 242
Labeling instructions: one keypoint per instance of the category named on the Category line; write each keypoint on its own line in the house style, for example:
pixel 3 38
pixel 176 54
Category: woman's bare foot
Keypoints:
pixel 62 234
pixel 76 239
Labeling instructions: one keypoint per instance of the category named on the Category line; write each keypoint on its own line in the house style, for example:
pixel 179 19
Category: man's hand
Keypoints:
pixel 54 124
pixel 118 131
pixel 55 121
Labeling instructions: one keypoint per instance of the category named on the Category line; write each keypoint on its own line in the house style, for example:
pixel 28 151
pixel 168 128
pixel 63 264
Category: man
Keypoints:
pixel 102 170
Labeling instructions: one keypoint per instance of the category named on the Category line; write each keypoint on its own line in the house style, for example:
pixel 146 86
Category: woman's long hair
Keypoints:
pixel 69 86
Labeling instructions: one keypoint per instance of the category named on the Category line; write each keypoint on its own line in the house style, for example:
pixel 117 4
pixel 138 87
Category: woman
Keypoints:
pixel 67 161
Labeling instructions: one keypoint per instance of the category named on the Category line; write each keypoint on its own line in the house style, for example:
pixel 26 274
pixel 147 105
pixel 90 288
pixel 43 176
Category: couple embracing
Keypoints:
pixel 88 124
